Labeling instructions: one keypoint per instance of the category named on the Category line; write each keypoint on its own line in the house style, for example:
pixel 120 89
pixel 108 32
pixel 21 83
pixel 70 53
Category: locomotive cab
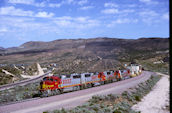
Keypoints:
pixel 51 83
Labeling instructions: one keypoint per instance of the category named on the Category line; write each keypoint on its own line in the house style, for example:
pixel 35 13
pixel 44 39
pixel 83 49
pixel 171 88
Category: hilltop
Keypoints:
pixel 82 55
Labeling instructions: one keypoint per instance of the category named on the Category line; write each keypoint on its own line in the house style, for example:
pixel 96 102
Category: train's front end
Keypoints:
pixel 50 85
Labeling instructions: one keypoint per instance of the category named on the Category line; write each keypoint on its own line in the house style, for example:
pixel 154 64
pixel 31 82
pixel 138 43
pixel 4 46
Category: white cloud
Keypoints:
pixel 64 18
pixel 86 7
pixel 110 5
pixel 76 2
pixel 55 5
pixel 110 11
pixel 3 30
pixel 42 4
pixel 82 2
pixel 44 14
pixel 116 11
pixel 148 13
pixel 46 4
pixel 14 12
pixel 145 0
pixel 149 2
pixel 165 16
pixel 68 2
pixel 81 19
pixel 149 17
pixel 18 23
pixel 28 2
pixel 77 22
pixel 122 21
pixel 128 11
pixel 125 20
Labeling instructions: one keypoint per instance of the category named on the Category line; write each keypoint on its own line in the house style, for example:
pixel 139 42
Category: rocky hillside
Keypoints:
pixel 81 55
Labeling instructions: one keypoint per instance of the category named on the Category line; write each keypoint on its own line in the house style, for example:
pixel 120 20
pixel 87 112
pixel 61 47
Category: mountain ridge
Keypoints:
pixel 79 55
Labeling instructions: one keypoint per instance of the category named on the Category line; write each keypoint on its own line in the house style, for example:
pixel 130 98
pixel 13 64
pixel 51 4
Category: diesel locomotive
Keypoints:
pixel 53 85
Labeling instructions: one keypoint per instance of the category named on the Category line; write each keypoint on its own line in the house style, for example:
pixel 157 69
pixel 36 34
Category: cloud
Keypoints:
pixel 145 0
pixel 12 11
pixel 128 11
pixel 28 2
pixel 54 5
pixel 67 2
pixel 149 16
pixel 18 22
pixel 116 11
pixel 46 4
pixel 125 20
pixel 86 7
pixel 44 14
pixel 110 11
pixel 165 16
pixel 122 21
pixel 3 30
pixel 76 22
pixel 82 2
pixel 149 2
pixel 24 26
pixel 110 5
pixel 148 13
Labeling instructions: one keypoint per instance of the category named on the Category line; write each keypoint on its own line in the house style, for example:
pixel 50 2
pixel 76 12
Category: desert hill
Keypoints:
pixel 81 55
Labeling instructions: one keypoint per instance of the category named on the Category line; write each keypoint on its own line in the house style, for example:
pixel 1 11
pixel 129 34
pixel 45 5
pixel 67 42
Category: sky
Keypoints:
pixel 47 20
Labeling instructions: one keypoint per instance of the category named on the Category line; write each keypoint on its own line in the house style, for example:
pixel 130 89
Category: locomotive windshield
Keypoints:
pixel 108 73
pixel 87 75
pixel 77 76
pixel 67 76
pixel 45 78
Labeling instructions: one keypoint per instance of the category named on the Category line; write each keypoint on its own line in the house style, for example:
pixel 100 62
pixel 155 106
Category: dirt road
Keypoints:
pixel 72 99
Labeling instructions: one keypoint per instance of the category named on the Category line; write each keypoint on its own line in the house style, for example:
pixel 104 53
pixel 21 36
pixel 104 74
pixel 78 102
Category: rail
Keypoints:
pixel 24 82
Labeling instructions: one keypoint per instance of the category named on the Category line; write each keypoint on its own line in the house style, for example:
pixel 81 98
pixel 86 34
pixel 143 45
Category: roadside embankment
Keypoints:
pixel 157 101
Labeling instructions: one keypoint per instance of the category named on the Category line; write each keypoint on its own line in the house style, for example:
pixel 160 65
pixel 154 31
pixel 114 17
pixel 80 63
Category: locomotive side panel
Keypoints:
pixel 66 81
pixel 76 79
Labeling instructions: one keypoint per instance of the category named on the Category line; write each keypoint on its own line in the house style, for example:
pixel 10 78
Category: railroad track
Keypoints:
pixel 23 82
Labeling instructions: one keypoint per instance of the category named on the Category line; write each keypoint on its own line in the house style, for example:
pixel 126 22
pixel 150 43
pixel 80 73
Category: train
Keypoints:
pixel 53 85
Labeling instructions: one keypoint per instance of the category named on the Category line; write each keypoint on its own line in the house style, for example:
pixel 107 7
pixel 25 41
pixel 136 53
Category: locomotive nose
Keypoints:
pixel 42 85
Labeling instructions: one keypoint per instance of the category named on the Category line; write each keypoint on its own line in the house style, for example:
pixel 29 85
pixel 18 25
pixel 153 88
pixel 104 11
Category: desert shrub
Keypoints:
pixel 107 110
pixel 95 107
pixel 12 70
pixel 111 97
pixel 96 99
pixel 127 96
pixel 31 69
pixel 45 112
pixel 122 107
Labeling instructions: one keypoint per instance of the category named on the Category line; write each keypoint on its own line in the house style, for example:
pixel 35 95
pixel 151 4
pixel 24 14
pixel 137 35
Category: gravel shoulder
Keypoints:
pixel 157 101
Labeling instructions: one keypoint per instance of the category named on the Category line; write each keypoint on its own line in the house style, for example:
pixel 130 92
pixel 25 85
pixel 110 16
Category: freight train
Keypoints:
pixel 53 85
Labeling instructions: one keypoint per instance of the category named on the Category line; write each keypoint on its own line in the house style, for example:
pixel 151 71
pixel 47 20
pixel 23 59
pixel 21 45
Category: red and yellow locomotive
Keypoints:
pixel 52 85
